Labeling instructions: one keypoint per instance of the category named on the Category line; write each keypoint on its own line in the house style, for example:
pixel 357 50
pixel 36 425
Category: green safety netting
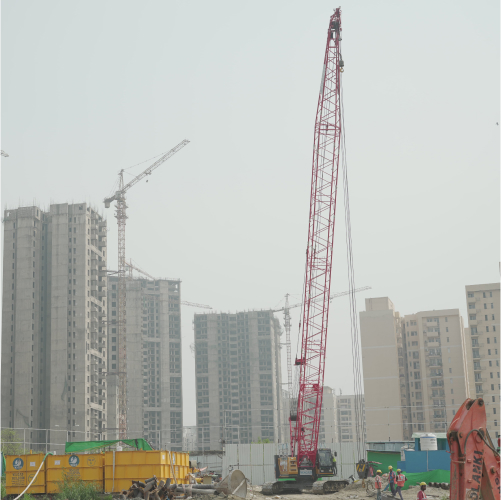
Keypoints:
pixel 75 446
pixel 432 476
pixel 4 465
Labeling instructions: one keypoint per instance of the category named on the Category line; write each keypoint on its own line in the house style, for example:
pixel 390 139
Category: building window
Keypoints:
pixel 473 317
pixel 471 305
pixel 470 295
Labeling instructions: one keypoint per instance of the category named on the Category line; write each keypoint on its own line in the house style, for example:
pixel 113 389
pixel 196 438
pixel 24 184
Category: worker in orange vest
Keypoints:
pixel 391 480
pixel 400 482
pixel 378 484
pixel 421 493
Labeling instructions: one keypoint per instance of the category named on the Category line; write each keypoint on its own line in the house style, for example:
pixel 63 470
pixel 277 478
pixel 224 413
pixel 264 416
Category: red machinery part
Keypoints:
pixel 326 152
pixel 474 461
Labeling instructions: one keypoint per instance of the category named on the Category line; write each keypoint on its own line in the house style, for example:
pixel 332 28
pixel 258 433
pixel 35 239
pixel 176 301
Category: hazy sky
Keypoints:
pixel 90 87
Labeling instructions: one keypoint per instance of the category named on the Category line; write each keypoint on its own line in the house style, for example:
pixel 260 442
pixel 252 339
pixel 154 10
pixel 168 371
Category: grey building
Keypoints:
pixel 238 378
pixel 347 419
pixel 483 336
pixel 154 370
pixel 328 432
pixel 53 323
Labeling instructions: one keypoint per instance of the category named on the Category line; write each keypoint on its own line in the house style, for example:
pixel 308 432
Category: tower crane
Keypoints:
pixel 121 215
pixel 287 324
pixel 306 462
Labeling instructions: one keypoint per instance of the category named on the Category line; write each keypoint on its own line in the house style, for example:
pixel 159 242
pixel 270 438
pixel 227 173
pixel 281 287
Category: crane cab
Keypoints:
pixel 325 465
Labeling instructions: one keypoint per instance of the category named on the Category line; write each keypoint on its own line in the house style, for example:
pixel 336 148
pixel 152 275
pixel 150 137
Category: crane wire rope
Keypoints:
pixel 355 333
pixel 115 185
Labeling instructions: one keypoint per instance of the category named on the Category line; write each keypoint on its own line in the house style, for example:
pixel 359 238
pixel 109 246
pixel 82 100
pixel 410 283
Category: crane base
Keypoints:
pixel 317 487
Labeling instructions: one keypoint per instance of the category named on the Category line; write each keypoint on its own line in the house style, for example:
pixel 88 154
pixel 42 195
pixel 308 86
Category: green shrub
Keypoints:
pixel 71 488
pixel 4 489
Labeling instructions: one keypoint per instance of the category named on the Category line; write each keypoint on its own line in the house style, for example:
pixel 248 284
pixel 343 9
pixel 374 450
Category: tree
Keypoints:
pixel 261 441
pixel 11 444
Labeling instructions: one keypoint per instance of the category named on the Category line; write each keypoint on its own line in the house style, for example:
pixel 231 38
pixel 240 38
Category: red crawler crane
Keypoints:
pixel 324 177
pixel 307 462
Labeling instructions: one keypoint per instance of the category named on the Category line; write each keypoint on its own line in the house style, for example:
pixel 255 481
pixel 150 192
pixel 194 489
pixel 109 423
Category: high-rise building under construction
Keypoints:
pixel 418 369
pixel 54 322
pixel 154 377
pixel 238 378
pixel 484 341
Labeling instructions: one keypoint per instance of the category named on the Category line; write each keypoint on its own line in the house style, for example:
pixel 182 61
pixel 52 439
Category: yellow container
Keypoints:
pixel 88 468
pixel 130 466
pixel 20 470
pixel 140 465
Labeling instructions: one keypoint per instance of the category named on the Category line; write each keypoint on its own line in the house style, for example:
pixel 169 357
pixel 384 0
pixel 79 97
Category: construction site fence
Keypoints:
pixel 256 461
pixel 26 439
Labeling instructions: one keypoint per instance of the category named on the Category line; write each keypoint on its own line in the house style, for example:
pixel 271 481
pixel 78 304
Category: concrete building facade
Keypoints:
pixel 346 418
pixel 384 369
pixel 417 370
pixel 238 378
pixel 154 368
pixel 439 367
pixel 53 326
pixel 328 432
pixel 482 302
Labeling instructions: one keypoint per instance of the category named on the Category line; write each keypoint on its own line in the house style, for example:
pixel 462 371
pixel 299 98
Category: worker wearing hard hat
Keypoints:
pixel 400 482
pixel 421 493
pixel 391 480
pixel 378 484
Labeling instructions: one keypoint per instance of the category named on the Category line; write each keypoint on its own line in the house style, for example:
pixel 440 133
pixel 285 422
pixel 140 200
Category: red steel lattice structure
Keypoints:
pixel 326 149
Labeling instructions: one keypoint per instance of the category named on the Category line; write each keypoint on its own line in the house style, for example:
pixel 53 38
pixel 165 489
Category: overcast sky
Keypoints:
pixel 90 87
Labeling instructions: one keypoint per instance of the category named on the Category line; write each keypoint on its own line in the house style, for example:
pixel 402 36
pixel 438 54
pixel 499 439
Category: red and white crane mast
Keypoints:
pixel 326 152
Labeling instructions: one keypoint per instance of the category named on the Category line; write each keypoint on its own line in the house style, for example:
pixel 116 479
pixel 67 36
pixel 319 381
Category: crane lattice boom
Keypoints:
pixel 326 152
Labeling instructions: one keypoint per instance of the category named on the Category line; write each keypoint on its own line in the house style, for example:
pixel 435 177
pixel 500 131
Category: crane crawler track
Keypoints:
pixel 325 487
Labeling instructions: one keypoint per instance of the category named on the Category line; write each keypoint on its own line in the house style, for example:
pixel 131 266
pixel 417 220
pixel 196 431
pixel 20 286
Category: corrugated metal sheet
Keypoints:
pixel 256 461
pixel 212 462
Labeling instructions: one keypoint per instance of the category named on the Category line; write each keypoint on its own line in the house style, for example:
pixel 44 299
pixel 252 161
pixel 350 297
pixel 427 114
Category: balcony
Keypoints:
pixel 434 343
pixel 436 383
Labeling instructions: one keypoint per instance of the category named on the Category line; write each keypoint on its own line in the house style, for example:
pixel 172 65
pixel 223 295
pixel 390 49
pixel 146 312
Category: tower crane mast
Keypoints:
pixel 121 216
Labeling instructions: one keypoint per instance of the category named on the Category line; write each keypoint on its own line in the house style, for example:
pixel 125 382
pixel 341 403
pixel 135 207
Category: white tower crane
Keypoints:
pixel 121 215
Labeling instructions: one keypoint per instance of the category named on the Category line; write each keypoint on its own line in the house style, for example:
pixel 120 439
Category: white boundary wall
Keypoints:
pixel 256 460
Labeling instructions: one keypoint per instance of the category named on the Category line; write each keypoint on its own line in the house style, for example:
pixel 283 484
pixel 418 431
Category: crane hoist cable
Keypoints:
pixel 355 333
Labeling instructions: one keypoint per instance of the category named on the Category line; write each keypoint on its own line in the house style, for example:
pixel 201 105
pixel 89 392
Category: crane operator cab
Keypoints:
pixel 325 462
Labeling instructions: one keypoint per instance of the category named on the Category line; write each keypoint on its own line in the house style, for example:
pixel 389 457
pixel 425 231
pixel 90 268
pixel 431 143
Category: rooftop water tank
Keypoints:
pixel 428 442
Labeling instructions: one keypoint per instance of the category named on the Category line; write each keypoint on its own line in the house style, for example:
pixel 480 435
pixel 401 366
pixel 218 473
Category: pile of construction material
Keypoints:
pixel 152 489
pixel 444 486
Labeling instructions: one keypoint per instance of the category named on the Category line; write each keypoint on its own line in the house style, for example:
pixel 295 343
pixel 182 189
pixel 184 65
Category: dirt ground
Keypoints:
pixel 352 492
